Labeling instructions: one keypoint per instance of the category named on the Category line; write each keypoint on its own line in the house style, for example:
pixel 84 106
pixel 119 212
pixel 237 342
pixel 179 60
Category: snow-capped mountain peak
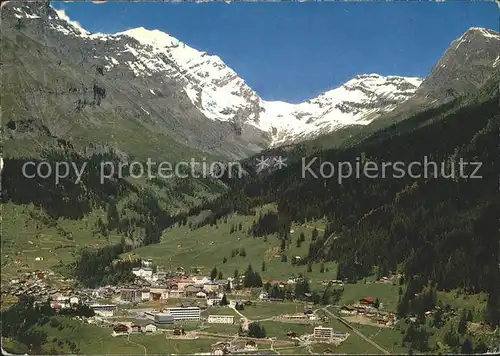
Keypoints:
pixel 222 96
pixel 358 102
pixel 212 86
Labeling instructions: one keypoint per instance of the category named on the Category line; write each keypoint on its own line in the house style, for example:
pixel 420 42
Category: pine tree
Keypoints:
pixel 263 268
pixel 213 274
pixel 462 324
pixel 466 347
pixel 314 234
pixel 224 301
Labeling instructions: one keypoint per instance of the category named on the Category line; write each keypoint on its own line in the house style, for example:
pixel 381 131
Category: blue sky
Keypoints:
pixel 296 51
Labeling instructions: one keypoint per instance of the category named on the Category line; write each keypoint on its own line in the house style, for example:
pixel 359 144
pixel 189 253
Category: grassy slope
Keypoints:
pixel 207 246
pixel 24 234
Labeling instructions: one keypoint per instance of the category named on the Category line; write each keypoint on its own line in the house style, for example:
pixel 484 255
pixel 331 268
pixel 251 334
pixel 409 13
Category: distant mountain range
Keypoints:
pixel 196 100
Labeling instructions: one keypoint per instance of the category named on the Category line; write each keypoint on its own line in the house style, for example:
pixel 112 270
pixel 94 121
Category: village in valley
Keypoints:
pixel 213 290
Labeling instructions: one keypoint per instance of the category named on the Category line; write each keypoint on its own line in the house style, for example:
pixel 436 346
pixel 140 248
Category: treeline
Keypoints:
pixel 97 267
pixel 301 290
pixel 62 197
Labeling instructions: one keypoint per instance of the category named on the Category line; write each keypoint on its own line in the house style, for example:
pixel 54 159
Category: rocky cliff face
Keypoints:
pixel 466 65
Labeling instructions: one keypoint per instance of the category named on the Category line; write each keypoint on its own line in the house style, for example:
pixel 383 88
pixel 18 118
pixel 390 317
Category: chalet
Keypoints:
pixel 201 295
pixel 147 263
pixel 367 301
pixel 220 348
pixel 213 301
pixel 191 291
pixel 251 345
pixel 178 331
pixel 136 328
pixel 155 296
pixel 130 294
pixel 312 317
pixel 145 294
pixel 222 282
pixel 120 329
pixel 211 286
pixel 348 310
pixel 183 283
pixel 143 272
pixel 200 279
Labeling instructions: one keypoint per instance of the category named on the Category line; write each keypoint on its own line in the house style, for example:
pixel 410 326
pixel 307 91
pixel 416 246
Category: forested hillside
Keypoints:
pixel 440 231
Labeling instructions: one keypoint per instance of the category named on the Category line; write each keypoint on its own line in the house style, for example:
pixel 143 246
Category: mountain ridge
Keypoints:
pixel 221 95
pixel 203 103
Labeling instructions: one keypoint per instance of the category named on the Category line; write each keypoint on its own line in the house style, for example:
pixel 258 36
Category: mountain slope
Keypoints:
pixel 437 228
pixel 188 95
pixel 83 96
pixel 465 66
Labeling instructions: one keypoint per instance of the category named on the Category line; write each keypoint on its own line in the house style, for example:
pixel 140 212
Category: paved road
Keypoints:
pixel 246 321
pixel 356 331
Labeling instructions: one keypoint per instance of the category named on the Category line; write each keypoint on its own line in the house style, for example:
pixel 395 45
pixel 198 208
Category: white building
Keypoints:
pixel 158 293
pixel 147 263
pixel 150 328
pixel 230 282
pixel 312 316
pixel 104 313
pixel 145 294
pixel 213 301
pixel 189 313
pixel 323 333
pixel 104 310
pixel 200 279
pixel 143 272
pixel 220 319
